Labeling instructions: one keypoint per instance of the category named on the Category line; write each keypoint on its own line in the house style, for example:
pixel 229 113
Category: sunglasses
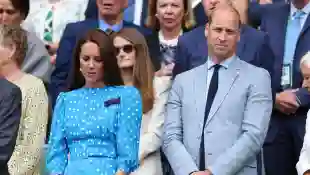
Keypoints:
pixel 126 48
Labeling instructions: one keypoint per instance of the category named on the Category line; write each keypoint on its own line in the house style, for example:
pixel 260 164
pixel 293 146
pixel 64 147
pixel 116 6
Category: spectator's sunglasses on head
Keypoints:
pixel 128 48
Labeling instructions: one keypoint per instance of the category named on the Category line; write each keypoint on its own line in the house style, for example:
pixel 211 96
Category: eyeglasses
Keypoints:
pixel 126 48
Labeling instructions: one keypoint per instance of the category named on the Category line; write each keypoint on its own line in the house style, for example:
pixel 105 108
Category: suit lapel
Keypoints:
pixel 199 94
pixel 305 27
pixel 227 78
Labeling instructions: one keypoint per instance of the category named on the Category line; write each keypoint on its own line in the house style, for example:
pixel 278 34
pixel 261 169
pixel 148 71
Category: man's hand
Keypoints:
pixel 200 173
pixel 52 48
pixel 206 172
pixel 120 173
pixel 286 102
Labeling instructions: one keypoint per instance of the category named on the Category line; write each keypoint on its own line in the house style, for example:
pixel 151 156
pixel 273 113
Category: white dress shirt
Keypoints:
pixel 306 9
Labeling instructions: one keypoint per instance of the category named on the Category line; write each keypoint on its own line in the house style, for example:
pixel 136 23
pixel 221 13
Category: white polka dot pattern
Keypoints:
pixel 99 139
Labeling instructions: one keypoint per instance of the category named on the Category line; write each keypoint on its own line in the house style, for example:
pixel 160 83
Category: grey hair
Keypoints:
pixel 305 59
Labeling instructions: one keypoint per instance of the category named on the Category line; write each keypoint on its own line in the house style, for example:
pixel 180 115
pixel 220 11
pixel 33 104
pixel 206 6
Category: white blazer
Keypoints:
pixel 304 159
pixel 152 130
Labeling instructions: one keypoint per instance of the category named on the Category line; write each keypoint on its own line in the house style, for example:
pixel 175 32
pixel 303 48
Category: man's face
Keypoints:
pixel 210 5
pixel 305 70
pixel 223 34
pixel 111 7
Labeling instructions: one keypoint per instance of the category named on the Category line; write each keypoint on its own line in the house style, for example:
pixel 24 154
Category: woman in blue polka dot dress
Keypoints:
pixel 96 126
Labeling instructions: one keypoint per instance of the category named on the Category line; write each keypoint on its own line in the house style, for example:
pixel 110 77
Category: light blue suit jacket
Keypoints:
pixel 236 126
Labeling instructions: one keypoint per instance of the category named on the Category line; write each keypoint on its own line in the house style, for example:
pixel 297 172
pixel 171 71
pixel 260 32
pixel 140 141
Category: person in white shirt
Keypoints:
pixel 48 19
pixel 303 165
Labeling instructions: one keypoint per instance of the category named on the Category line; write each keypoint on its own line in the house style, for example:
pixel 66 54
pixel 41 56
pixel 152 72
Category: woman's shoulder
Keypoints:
pixel 33 79
pixel 29 81
pixel 73 93
pixel 127 90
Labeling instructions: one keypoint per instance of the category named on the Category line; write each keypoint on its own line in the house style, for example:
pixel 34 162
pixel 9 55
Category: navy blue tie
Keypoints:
pixel 211 95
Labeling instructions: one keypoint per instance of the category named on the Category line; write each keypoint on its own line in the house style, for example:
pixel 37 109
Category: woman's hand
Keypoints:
pixel 165 70
pixel 120 173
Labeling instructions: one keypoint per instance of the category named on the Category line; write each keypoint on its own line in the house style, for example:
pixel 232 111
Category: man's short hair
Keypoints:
pixel 229 7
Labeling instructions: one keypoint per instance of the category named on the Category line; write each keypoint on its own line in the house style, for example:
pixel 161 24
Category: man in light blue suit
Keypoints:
pixel 218 113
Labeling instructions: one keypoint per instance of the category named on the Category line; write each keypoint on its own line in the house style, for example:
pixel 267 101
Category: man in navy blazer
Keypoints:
pixel 92 11
pixel 287 126
pixel 110 17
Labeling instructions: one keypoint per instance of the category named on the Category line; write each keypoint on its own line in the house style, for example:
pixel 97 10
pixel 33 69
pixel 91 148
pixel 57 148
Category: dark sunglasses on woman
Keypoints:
pixel 126 48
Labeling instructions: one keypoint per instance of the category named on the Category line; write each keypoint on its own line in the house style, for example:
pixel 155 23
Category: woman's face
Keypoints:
pixel 126 53
pixel 170 13
pixel 91 64
pixel 8 14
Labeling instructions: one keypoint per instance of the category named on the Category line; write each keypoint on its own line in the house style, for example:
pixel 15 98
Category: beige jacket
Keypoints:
pixel 152 130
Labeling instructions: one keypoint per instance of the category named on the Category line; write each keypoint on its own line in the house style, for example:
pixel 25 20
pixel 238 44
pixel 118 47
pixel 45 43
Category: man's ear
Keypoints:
pixel 207 30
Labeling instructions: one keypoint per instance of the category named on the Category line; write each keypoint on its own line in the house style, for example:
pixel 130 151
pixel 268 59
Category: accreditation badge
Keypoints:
pixel 286 79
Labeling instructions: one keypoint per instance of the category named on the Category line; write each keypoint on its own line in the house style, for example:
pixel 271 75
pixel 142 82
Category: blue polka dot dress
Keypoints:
pixel 95 131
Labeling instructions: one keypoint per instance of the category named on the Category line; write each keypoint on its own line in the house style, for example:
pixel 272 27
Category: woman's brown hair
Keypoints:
pixel 112 76
pixel 152 22
pixel 143 70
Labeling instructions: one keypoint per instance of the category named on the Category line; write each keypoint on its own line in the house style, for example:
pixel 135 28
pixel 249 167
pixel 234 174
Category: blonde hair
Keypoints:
pixel 152 22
